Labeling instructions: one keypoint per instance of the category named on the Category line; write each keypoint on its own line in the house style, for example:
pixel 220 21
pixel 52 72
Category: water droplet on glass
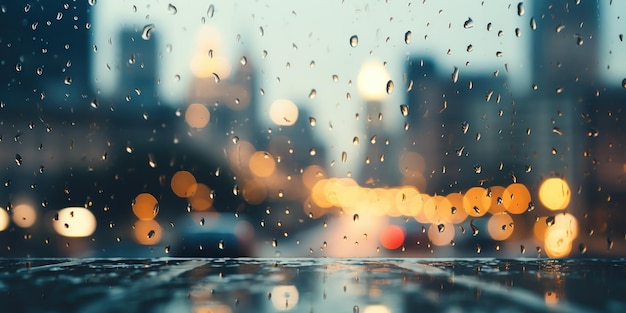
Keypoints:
pixel 477 169
pixel 344 156
pixel 216 77
pixel 211 11
pixel 550 220
pixel 441 228
pixel 312 121
pixel 151 233
pixel 522 249
pixel 582 248
pixel 533 24
pixel 520 9
pixel 407 37
pixel 18 160
pixel 67 80
pixel 389 87
pixel 145 34
pixel 243 60
pixel 220 245
pixel 404 109
pixel 172 9
pixel 474 228
pixel 465 127
pixel 335 78
pixel 151 161
pixel 166 249
pixel 455 74
pixel 92 2
pixel 354 41
pixel 355 218
pixel 274 243
pixel 624 83
pixel 469 23
pixel 236 190
pixel 355 309
pixel 312 94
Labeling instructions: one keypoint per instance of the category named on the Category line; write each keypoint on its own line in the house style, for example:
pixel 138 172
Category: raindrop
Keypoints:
pixel 469 23
pixel 550 220
pixel 216 77
pixel 407 37
pixel 609 243
pixel 404 109
pixel 243 60
pixel 624 83
pixel 355 140
pixel 522 249
pixel 465 127
pixel 92 2
pixel 344 156
pixel 67 80
pixel 172 9
pixel 151 161
pixel 389 87
pixel 312 152
pixel 261 31
pixel 312 94
pixel 145 34
pixel 355 309
pixel 355 218
pixel 274 243
pixel 455 74
pixel 354 41
pixel 166 249
pixel 477 169
pixel 18 160
pixel 236 190
pixel 202 221
pixel 520 9
pixel 559 28
pixel 474 228
pixel 211 11
pixel 220 245
pixel 335 78
pixel 518 32
pixel 151 233
pixel 312 121
pixel 18 67
pixel 582 248
pixel 533 24
pixel 441 228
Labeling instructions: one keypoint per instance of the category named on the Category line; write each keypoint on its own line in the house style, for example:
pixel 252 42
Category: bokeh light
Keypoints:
pixel 262 164
pixel 197 115
pixel 392 237
pixel 557 243
pixel 311 175
pixel 458 212
pixel 372 81
pixel 496 193
pixel 441 234
pixel 253 191
pixel 554 194
pixel 284 112
pixel 4 219
pixel 147 232
pixel 202 199
pixel 285 298
pixel 74 222
pixel 24 215
pixel 145 206
pixel 500 226
pixel 516 198
pixel 476 201
pixel 183 184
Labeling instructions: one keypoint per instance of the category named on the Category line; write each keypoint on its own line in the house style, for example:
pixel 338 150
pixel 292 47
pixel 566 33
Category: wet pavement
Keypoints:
pixel 312 285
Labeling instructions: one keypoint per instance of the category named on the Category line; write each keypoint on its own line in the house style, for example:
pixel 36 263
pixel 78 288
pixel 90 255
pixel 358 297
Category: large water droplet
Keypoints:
pixel 404 109
pixel 211 11
pixel 390 87
pixel 533 23
pixel 172 9
pixel 354 41
pixel 520 9
pixel 407 37
pixel 147 30
pixel 469 23
pixel 355 218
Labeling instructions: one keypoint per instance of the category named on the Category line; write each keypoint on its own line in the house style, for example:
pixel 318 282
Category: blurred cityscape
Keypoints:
pixel 472 168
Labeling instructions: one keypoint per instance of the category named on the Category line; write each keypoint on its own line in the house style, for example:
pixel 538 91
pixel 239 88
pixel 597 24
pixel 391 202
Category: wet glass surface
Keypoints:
pixel 312 285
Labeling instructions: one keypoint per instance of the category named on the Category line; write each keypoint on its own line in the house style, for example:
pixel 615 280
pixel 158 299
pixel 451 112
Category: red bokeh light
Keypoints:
pixel 392 237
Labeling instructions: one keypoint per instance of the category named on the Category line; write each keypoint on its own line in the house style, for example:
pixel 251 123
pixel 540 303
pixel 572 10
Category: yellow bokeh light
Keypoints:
pixel 516 198
pixel 318 194
pixel 403 201
pixel 376 308
pixel 202 199
pixel 554 194
pixel 197 115
pixel 4 219
pixel 419 202
pixel 284 112
pixel 441 234
pixel 147 232
pixel 204 66
pixel 262 164
pixel 438 209
pixel 558 243
pixel 145 206
pixel 476 201
pixel 183 184
pixel 74 222
pixel 458 212
pixel 500 226
pixel 372 81
pixel 24 215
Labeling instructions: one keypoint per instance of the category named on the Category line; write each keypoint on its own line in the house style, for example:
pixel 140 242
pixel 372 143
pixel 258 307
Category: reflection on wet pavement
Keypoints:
pixel 312 285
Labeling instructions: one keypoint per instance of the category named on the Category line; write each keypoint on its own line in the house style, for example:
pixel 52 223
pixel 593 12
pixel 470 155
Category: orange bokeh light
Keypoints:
pixel 476 201
pixel 183 184
pixel 147 232
pixel 497 206
pixel 500 226
pixel 202 199
pixel 145 206
pixel 516 198
pixel 262 164
pixel 197 115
